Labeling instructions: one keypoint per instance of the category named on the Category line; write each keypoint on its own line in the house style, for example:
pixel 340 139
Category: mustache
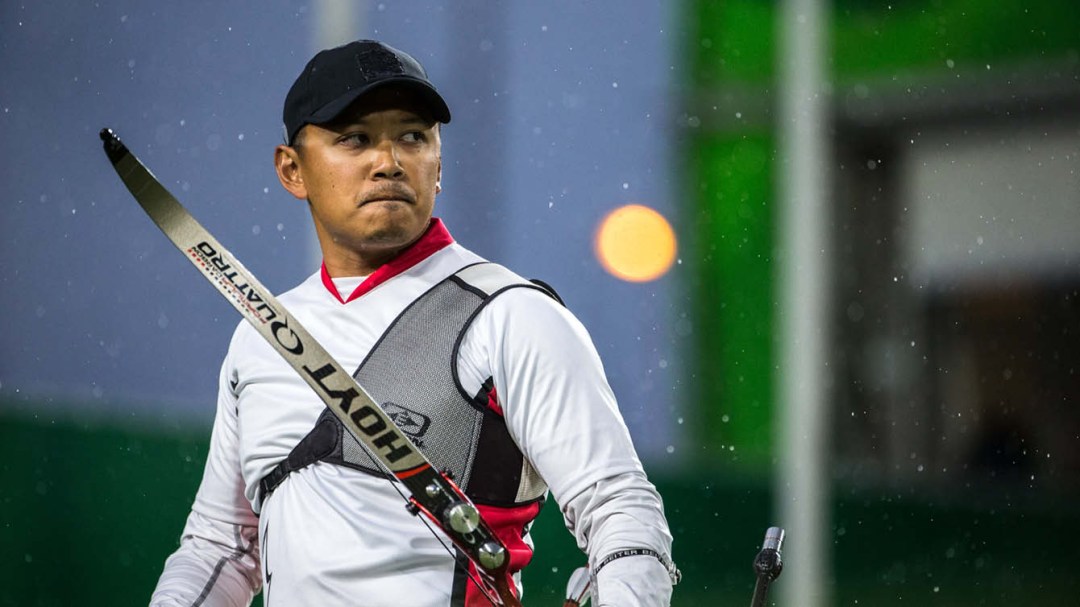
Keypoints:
pixel 390 191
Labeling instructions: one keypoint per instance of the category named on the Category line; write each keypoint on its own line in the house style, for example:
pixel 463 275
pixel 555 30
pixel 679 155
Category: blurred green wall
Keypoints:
pixel 89 512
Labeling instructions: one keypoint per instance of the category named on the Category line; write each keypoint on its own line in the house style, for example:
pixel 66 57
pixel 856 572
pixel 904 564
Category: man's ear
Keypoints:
pixel 438 177
pixel 287 165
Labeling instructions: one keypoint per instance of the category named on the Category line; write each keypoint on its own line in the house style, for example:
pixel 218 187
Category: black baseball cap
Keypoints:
pixel 336 77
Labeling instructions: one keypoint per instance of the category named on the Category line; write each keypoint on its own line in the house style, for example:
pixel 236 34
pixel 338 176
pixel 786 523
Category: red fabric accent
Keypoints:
pixel 474 597
pixel 434 238
pixel 493 402
pixel 329 283
pixel 508 524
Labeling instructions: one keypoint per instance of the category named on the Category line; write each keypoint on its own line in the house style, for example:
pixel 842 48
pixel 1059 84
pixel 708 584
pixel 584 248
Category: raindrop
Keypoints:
pixel 855 311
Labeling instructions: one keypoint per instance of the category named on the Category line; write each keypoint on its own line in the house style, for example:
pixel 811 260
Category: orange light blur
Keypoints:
pixel 635 243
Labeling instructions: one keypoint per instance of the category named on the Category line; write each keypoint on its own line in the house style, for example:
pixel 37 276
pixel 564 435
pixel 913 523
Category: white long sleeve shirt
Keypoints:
pixel 333 536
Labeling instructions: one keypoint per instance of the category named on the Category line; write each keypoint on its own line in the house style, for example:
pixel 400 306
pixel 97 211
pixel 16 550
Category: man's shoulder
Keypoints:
pixel 489 279
pixel 304 289
pixel 491 276
pixel 451 258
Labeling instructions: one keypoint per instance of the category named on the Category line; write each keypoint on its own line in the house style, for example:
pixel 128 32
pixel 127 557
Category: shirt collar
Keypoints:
pixel 436 237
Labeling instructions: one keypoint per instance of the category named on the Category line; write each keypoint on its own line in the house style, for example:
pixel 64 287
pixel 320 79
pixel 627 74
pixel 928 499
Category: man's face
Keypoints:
pixel 370 178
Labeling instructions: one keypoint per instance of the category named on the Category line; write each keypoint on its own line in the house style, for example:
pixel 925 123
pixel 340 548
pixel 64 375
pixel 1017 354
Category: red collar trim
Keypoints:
pixel 434 238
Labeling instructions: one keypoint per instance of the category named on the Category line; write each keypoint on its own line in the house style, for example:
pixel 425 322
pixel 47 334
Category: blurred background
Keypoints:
pixel 828 252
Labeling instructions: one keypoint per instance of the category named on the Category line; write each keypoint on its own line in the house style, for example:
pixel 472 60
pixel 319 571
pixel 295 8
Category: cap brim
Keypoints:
pixel 438 108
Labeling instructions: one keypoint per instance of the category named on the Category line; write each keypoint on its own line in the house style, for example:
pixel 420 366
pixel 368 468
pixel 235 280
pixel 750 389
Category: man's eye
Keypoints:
pixel 355 139
pixel 414 137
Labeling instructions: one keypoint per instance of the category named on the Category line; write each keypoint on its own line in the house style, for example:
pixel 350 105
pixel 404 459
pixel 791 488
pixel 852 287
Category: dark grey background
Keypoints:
pixel 562 112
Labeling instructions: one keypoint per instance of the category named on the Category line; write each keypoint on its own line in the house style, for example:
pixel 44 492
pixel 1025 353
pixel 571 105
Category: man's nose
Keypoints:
pixel 387 164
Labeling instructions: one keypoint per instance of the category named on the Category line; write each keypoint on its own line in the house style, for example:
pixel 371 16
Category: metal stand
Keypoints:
pixel 767 564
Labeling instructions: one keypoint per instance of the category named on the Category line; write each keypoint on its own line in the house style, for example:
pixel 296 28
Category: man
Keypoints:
pixel 489 375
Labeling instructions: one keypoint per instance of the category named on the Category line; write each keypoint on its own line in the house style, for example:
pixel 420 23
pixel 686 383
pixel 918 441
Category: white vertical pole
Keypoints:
pixel 803 288
pixel 334 22
pixel 338 22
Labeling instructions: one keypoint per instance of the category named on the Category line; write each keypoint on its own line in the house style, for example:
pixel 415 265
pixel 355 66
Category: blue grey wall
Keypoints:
pixel 562 112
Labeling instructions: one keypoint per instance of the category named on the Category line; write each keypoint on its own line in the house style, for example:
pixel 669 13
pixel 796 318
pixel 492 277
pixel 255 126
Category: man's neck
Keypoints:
pixel 433 239
pixel 343 264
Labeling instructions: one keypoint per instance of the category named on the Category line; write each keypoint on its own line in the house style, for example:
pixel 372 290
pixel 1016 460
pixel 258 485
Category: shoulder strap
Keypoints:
pixel 489 279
